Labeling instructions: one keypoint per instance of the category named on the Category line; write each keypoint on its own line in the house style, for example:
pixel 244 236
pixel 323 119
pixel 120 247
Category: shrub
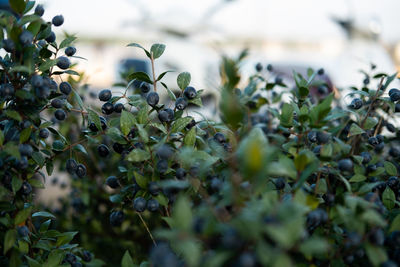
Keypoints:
pixel 288 176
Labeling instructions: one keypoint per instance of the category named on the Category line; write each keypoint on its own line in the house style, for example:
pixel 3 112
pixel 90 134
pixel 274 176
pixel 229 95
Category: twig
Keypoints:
pixel 147 228
pixel 154 73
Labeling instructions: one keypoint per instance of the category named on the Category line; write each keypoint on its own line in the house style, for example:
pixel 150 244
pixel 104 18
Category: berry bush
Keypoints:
pixel 287 176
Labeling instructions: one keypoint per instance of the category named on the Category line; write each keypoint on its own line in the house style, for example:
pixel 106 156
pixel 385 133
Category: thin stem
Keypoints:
pixel 154 73
pixel 147 228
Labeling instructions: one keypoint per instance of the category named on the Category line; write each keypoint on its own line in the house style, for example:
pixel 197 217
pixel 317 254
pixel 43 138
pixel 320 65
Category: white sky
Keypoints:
pixel 306 20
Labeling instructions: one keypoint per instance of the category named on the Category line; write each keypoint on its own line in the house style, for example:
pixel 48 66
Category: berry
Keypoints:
pixel 166 115
pixel 247 259
pixel 393 90
pixel 8 45
pixel 164 152
pixel 380 138
pixel 371 168
pixel 390 127
pixel 116 218
pixel 44 133
pixel 63 63
pixel 70 258
pixel 366 157
pixel 103 150
pixel 23 163
pixel 216 184
pixel 278 80
pixel 51 38
pixel 107 108
pixel 65 88
pixel 105 95
pixel 60 114
pixel 279 183
pixel 321 71
pixel 86 256
pixel 71 166
pixel 373 141
pixel 26 188
pixel 118 148
pixel 26 38
pixel 103 122
pixel 57 103
pixel 397 107
pixel 25 150
pixel 144 87
pixel 58 20
pixel 270 68
pixel 219 137
pixel 392 182
pixel 152 205
pixel 139 204
pixel 395 96
pixel 39 10
pixel 80 170
pixel 132 133
pixel 191 124
pixel 42 92
pixel 23 231
pixel 37 80
pixel 377 237
pixel 112 182
pixel 312 136
pixel 180 173
pixel 329 199
pixel 394 152
pixel 357 103
pixel 259 67
pixel 322 137
pixel 162 166
pixel 152 99
pixel 345 165
pixel 118 107
pixel 153 188
pixel 70 51
pixel 181 103
pixel 190 92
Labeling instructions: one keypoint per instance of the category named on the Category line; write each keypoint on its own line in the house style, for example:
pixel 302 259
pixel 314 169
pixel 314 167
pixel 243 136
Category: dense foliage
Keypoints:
pixel 289 175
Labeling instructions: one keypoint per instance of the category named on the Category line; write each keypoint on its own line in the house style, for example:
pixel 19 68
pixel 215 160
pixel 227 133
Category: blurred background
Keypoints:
pixel 341 36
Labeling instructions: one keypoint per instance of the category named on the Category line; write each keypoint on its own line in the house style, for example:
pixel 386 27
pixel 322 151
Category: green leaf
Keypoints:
pixel 163 74
pixel 190 137
pixel 32 262
pixel 357 178
pixel 182 214
pixel 13 114
pixel 127 121
pixel 116 135
pixel 140 180
pixel 142 133
pixel 388 198
pixel 67 42
pixel 287 115
pixel 138 155
pixel 390 168
pixel 65 238
pixel 180 124
pixel 140 76
pixel 38 158
pixel 183 80
pixel 395 225
pixel 93 117
pixel 127 260
pixel 170 93
pixel 22 215
pixel 36 183
pixel 16 184
pixel 370 123
pixel 25 134
pixel 1 137
pixel 139 46
pixel 34 27
pixel 79 100
pixel 45 66
pixel 157 50
pixel 355 130
pixel 376 255
pixel 9 240
pixel 117 198
pixel 54 259
pixel 18 5
pixel 44 214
